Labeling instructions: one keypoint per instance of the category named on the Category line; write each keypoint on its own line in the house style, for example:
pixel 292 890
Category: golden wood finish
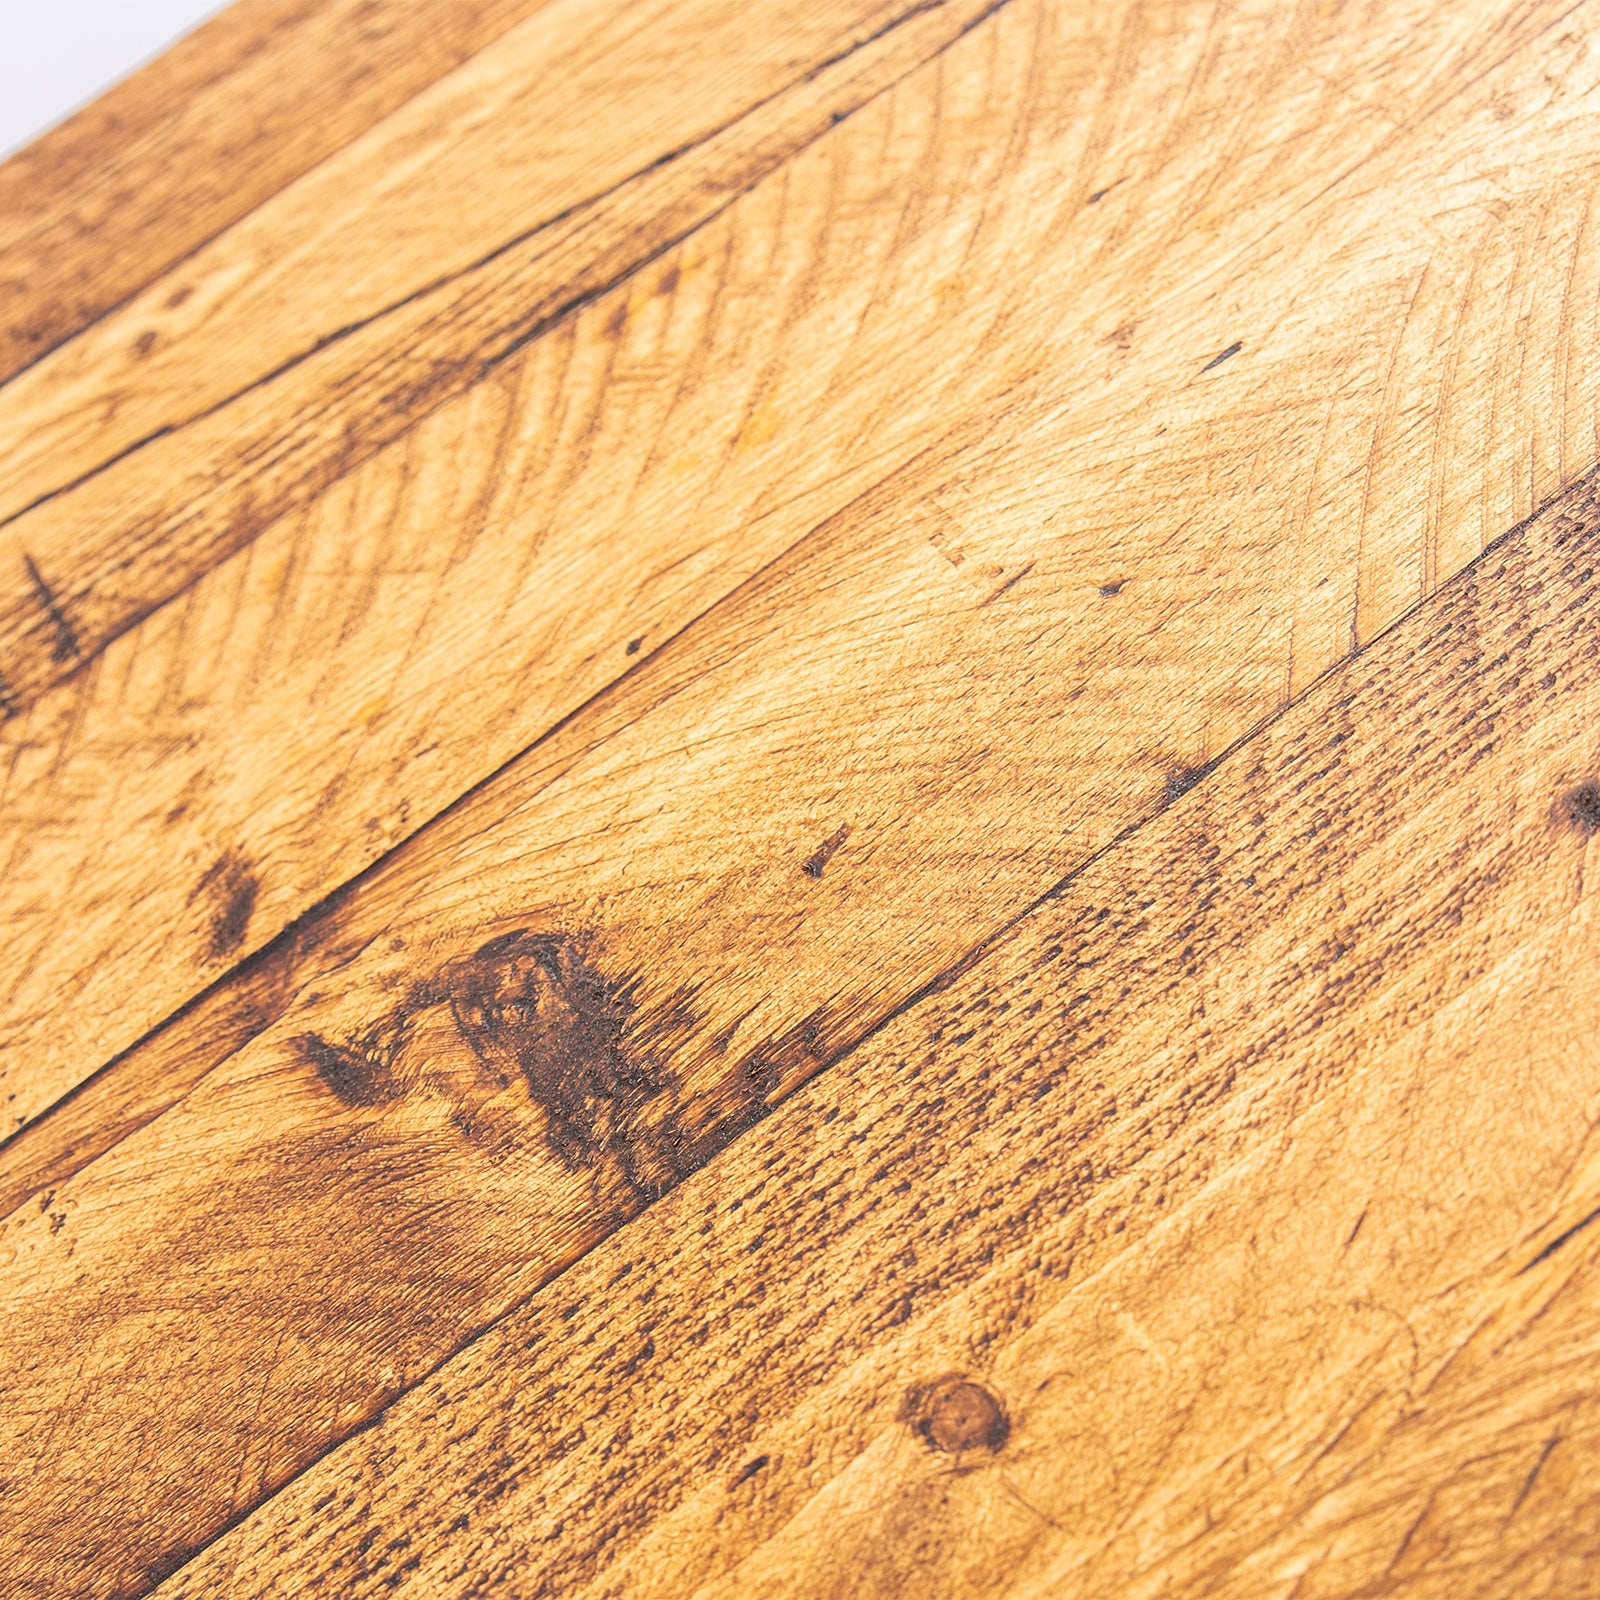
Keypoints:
pixel 825 813
pixel 101 206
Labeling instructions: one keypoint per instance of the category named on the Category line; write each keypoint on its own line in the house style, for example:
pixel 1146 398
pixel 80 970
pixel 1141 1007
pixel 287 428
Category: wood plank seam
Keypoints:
pixel 544 854
pixel 525 337
pixel 232 823
pixel 969 963
pixel 45 1153
pixel 84 250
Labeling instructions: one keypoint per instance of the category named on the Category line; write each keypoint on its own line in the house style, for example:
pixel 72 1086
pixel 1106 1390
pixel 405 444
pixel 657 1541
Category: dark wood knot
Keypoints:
pixel 1583 807
pixel 956 1416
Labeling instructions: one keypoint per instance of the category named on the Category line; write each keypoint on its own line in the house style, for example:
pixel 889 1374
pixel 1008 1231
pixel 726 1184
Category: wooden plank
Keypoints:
pixel 637 881
pixel 1220 1232
pixel 701 419
pixel 396 275
pixel 100 206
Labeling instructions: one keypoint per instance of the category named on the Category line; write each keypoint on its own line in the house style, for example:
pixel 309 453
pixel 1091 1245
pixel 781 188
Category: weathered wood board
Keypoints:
pixel 678 603
pixel 98 208
pixel 694 435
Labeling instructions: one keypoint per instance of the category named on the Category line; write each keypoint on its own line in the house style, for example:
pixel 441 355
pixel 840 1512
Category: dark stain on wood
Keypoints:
pixel 361 1072
pixel 232 888
pixel 530 1004
pixel 1182 779
pixel 545 1029
pixel 535 1012
pixel 956 1416
pixel 1583 807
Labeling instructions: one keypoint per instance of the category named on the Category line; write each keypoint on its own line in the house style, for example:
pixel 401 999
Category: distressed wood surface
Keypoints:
pixel 1202 1238
pixel 390 277
pixel 217 773
pixel 615 591
pixel 207 828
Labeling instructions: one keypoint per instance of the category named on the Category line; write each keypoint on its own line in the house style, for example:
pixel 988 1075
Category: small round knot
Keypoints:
pixel 956 1416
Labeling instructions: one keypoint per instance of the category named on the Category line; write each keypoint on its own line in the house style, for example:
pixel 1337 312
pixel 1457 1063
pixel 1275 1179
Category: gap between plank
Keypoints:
pixel 49 1167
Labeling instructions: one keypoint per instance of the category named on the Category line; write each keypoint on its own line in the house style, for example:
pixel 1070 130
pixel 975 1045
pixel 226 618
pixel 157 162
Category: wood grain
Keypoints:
pixel 194 782
pixel 667 883
pixel 135 1087
pixel 395 275
pixel 619 589
pixel 102 205
pixel 701 419
pixel 1220 1232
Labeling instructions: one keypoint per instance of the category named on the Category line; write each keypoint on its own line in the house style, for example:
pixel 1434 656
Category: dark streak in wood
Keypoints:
pixel 1562 1239
pixel 66 645
pixel 1226 355
pixel 1017 577
pixel 823 854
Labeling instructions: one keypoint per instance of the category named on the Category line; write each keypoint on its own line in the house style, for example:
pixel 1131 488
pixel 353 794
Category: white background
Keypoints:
pixel 57 54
